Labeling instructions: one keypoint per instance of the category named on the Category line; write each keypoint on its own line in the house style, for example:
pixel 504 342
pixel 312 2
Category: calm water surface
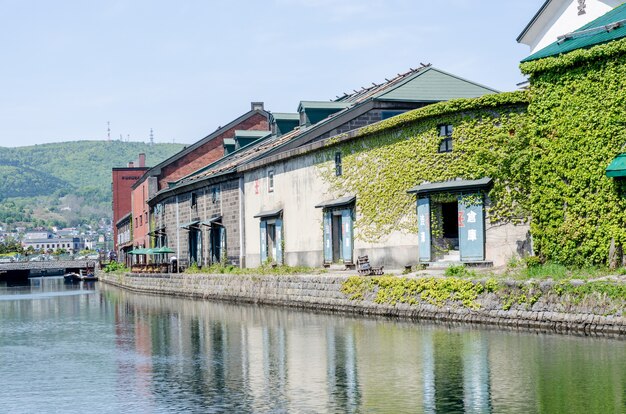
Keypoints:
pixel 95 348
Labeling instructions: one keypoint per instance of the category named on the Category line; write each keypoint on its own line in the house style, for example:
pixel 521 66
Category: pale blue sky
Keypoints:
pixel 185 67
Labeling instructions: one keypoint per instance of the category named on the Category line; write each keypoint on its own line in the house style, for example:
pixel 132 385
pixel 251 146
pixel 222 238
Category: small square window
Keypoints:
pixel 270 181
pixel 338 169
pixel 215 194
pixel 445 132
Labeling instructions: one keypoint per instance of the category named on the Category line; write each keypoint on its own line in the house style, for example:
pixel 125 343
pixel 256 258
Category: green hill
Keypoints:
pixel 47 178
pixel 18 181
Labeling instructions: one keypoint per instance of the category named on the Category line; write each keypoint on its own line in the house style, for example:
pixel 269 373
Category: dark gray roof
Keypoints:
pixel 454 185
pixel 212 220
pixel 269 213
pixel 190 224
pixel 338 202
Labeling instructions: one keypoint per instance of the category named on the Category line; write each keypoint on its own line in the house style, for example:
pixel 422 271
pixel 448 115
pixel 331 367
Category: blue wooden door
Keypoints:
pixel 223 252
pixel 471 227
pixel 263 241
pixel 328 247
pixel 279 241
pixel 199 247
pixel 423 229
pixel 346 235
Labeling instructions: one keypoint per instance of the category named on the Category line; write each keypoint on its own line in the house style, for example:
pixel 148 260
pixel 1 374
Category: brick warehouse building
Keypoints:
pixel 185 162
pixel 123 180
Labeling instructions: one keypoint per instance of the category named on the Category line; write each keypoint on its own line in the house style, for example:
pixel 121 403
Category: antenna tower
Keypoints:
pixel 151 137
pixel 108 131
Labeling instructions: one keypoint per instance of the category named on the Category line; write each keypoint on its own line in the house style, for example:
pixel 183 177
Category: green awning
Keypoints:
pixel 138 251
pixel 162 250
pixel 617 167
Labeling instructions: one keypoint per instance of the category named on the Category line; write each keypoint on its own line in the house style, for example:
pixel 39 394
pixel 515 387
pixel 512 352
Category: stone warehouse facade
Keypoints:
pixel 200 222
pixel 196 156
pixel 308 206
pixel 414 89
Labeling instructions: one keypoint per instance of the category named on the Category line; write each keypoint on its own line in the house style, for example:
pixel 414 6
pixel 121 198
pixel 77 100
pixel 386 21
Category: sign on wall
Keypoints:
pixel 423 229
pixel 471 227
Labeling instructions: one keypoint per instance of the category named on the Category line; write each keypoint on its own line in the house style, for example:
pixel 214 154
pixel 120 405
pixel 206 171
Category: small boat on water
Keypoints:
pixel 79 277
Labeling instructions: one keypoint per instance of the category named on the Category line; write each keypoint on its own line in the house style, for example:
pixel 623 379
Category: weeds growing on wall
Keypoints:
pixel 467 293
pixel 387 159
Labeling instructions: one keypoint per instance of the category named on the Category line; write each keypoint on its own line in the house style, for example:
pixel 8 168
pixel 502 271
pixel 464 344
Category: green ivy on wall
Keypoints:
pixel 390 157
pixel 578 125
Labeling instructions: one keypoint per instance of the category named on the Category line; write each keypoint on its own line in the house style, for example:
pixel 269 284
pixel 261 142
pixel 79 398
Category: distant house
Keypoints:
pixel 37 235
pixel 559 17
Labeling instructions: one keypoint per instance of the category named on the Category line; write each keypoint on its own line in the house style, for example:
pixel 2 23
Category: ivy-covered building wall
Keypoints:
pixel 578 123
pixel 360 180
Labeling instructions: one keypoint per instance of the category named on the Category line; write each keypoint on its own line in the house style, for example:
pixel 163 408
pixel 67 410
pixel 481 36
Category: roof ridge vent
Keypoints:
pixel 589 32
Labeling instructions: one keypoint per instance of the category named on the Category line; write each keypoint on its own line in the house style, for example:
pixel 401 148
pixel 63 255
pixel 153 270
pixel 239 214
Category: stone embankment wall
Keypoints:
pixel 552 312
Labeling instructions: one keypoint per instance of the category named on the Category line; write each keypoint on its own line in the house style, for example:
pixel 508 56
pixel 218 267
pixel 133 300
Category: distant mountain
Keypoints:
pixel 42 177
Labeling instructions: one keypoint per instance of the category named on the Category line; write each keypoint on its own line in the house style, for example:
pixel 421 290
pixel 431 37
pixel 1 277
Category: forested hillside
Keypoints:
pixel 65 183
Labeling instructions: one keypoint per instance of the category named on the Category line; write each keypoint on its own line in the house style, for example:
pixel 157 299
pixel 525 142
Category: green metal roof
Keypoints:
pixel 593 33
pixel 322 105
pixel 285 116
pixel 617 167
pixel 433 85
pixel 229 141
pixel 250 134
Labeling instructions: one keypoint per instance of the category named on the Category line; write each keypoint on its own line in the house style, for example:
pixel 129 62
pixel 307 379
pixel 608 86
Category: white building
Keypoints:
pixel 70 244
pixel 36 235
pixel 558 17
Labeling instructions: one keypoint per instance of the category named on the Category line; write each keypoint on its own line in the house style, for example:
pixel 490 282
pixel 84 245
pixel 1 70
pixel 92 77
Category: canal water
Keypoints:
pixel 95 348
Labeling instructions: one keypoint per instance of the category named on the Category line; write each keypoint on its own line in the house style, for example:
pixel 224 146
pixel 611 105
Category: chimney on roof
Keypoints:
pixel 142 160
pixel 131 164
pixel 257 106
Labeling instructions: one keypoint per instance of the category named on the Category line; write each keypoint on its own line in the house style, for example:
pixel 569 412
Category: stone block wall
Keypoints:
pixel 323 293
pixel 178 210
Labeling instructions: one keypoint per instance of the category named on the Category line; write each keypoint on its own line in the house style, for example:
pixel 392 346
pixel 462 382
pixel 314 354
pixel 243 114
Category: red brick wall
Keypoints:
pixel 209 152
pixel 123 180
pixel 140 219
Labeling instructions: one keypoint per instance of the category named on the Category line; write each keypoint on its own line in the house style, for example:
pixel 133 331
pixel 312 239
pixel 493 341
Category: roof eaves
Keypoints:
pixel 209 137
pixel 308 134
pixel 605 29
pixel 533 20
pixel 222 160
pixel 179 187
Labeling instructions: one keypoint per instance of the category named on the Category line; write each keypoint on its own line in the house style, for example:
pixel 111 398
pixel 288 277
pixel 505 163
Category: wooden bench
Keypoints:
pixel 364 267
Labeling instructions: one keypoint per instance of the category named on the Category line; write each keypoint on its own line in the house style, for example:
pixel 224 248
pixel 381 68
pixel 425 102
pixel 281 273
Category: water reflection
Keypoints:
pixel 155 354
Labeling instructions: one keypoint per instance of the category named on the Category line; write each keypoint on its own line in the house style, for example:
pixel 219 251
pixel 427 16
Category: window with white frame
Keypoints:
pixel 270 181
